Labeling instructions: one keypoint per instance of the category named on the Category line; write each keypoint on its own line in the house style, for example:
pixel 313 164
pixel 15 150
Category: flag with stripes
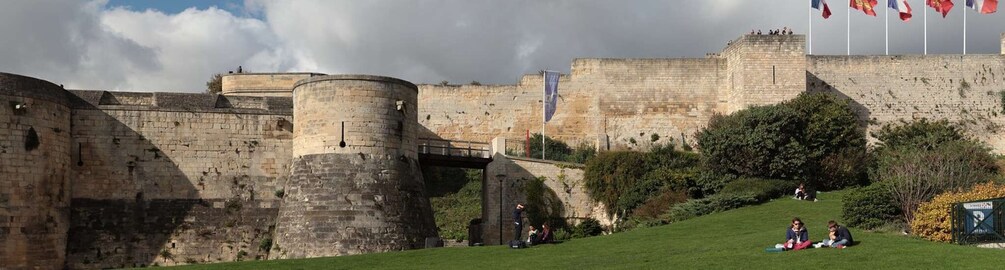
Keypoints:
pixel 827 9
pixel 902 7
pixel 983 6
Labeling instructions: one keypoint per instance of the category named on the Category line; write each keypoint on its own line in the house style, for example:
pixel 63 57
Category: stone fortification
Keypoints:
pixel 355 183
pixel 34 173
pixel 98 179
pixel 166 178
pixel 262 84
pixel 621 101
pixel 505 184
pixel 892 89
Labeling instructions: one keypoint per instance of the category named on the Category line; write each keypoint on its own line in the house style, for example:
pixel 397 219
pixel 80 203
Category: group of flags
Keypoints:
pixel 942 6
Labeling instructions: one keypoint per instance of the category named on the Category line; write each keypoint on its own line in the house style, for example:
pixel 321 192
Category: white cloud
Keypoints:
pixel 90 45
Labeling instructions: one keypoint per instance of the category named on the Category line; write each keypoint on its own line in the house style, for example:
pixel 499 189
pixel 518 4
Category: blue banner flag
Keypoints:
pixel 550 93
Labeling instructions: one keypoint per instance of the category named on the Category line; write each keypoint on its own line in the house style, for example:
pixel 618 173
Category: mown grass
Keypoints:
pixel 729 240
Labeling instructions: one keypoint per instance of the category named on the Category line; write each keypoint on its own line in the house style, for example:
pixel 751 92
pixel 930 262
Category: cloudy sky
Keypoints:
pixel 178 45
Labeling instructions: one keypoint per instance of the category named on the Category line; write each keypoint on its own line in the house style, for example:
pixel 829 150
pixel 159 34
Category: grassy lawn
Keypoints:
pixel 729 240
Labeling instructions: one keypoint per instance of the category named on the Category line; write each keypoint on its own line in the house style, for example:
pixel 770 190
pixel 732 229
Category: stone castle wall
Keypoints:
pixel 892 89
pixel 505 184
pixel 618 101
pixel 262 84
pixel 164 179
pixel 136 179
pixel 34 173
pixel 355 185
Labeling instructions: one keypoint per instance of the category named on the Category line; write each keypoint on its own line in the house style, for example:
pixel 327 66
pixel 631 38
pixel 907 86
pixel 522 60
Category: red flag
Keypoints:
pixel 942 6
pixel 827 10
pixel 866 6
pixel 905 16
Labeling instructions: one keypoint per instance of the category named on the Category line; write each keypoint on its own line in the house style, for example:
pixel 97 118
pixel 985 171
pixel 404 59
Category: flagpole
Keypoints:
pixel 925 10
pixel 887 20
pixel 848 31
pixel 809 34
pixel 964 30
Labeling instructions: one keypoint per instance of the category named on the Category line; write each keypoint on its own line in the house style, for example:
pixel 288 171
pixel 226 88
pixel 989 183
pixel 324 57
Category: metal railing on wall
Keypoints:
pixel 454 148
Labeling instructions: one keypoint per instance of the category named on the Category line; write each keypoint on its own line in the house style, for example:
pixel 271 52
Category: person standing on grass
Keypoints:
pixel 796 237
pixel 518 221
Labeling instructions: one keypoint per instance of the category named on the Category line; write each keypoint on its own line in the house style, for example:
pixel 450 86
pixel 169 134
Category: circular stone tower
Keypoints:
pixel 34 179
pixel 355 184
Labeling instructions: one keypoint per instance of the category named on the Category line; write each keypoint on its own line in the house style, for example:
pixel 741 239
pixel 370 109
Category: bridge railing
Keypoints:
pixel 454 148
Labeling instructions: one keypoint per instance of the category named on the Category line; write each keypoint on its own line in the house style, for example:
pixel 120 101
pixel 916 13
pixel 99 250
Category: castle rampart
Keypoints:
pixel 890 89
pixel 34 173
pixel 262 84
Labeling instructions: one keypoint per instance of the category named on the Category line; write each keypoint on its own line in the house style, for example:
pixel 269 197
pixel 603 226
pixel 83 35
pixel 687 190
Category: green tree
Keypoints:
pixel 815 138
pixel 921 159
pixel 555 149
pixel 215 84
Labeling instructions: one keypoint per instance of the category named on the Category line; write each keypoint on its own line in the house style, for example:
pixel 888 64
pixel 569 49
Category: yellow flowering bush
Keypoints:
pixel 932 220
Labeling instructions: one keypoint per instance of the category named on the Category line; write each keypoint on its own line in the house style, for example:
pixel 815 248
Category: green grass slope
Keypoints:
pixel 729 240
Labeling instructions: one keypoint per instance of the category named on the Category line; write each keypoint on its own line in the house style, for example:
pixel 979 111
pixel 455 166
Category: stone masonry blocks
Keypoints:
pixel 34 178
pixel 355 183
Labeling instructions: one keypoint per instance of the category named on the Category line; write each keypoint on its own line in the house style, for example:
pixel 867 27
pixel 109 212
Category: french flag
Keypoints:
pixel 902 7
pixel 983 6
pixel 816 5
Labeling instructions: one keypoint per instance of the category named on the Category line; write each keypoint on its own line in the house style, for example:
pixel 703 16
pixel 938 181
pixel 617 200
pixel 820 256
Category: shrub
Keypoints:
pixel 921 134
pixel 611 174
pixel 586 228
pixel 869 207
pixel 932 220
pixel 915 175
pixel 805 138
pixel 581 153
pixel 715 203
pixel 265 244
pixel 659 205
pixel 760 189
pixel 623 180
pixel 708 182
pixel 554 150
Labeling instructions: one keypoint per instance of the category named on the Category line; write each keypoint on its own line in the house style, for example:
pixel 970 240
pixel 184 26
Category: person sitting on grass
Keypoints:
pixel 545 235
pixel 532 238
pixel 796 237
pixel 801 192
pixel 840 237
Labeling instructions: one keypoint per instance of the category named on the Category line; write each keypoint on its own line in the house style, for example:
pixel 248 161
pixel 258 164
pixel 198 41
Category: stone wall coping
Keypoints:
pixel 906 56
pixel 355 77
pixel 181 102
pixel 273 73
pixel 29 87
pixel 552 162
